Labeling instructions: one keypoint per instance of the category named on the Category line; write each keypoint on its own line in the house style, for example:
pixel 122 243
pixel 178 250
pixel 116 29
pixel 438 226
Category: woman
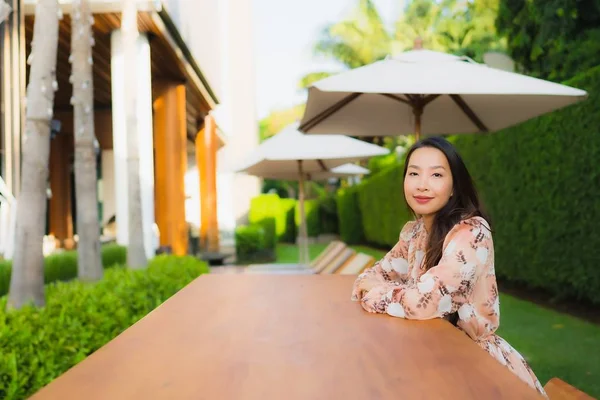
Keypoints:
pixel 443 264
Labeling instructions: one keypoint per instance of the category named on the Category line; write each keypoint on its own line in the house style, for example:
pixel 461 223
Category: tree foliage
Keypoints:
pixel 551 39
pixel 454 26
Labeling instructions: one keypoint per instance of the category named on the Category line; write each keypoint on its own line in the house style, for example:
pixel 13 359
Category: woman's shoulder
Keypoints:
pixel 476 225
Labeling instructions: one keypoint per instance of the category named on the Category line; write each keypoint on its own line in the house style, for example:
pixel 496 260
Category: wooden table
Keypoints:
pixel 284 337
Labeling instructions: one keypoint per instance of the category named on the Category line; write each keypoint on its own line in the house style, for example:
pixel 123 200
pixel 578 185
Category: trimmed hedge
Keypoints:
pixel 286 225
pixel 540 182
pixel 312 213
pixel 350 216
pixel 268 225
pixel 38 345
pixel 328 215
pixel 250 243
pixel 271 206
pixel 63 266
pixel 384 209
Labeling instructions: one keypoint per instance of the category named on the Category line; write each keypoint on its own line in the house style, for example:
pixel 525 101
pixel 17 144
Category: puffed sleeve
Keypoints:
pixel 444 288
pixel 392 269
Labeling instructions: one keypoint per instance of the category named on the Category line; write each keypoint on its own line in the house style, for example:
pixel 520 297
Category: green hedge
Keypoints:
pixel 384 209
pixel 251 244
pixel 349 216
pixel 541 182
pixel 268 225
pixel 63 266
pixel 328 215
pixel 286 225
pixel 312 213
pixel 38 345
pixel 249 241
pixel 282 210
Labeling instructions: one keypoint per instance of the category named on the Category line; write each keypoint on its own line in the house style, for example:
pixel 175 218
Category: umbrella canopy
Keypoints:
pixel 343 171
pixel 428 92
pixel 279 155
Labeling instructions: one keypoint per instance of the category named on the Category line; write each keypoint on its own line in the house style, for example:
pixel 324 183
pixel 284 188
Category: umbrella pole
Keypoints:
pixel 418 111
pixel 303 248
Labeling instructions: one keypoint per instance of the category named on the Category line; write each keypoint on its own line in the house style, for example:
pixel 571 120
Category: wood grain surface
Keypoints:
pixel 284 337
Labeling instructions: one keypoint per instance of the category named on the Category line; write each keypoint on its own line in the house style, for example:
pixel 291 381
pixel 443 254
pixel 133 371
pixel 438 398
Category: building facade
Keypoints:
pixel 190 86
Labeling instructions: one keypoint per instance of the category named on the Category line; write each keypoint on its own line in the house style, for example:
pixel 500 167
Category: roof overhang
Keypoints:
pixel 163 22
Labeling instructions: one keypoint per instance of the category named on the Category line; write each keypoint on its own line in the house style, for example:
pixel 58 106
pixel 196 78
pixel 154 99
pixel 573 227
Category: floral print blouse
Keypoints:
pixel 464 281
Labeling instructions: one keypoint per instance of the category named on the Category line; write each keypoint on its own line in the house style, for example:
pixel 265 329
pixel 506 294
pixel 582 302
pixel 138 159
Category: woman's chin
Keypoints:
pixel 422 210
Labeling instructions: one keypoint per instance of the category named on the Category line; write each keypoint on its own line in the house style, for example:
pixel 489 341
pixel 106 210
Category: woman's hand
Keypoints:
pixel 363 285
pixel 368 283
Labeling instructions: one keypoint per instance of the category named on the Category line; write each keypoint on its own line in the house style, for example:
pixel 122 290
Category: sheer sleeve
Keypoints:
pixel 444 288
pixel 392 269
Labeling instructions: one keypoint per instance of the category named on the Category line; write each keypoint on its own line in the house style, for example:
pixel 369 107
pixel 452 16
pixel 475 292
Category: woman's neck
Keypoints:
pixel 428 222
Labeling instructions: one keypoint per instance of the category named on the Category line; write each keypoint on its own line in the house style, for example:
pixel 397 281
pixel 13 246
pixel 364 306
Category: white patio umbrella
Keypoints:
pixel 428 92
pixel 291 153
pixel 343 171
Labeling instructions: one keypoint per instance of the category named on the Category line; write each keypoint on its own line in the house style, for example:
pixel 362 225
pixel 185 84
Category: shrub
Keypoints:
pixel 38 345
pixel 271 206
pixel 349 216
pixel 60 266
pixel 63 266
pixel 540 182
pixel 113 254
pixel 250 243
pixel 328 215
pixel 288 211
pixel 270 235
pixel 311 210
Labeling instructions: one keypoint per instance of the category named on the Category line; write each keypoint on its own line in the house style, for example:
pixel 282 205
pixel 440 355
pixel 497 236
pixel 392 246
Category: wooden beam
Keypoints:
pixel 170 166
pixel 61 217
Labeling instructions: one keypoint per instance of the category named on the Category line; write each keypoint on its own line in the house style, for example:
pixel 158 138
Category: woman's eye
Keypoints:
pixel 437 175
pixel 412 174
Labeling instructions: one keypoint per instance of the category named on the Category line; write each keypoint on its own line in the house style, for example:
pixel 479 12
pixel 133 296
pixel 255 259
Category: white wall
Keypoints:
pixel 198 22
pixel 238 113
pixel 219 34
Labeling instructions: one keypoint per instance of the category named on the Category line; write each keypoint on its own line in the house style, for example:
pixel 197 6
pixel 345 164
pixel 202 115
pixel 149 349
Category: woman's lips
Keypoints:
pixel 422 199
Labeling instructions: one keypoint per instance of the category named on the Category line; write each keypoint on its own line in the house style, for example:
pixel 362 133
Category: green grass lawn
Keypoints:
pixel 555 344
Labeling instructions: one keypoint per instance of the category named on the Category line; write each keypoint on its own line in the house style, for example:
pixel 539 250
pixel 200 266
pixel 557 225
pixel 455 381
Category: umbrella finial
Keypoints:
pixel 418 43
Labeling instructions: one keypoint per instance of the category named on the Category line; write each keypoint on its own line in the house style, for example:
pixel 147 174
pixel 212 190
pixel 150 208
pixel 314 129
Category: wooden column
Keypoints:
pixel 201 151
pixel 61 217
pixel 206 161
pixel 211 178
pixel 170 158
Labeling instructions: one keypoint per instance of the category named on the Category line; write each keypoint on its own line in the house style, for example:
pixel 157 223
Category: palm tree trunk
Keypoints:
pixel 136 255
pixel 86 182
pixel 27 280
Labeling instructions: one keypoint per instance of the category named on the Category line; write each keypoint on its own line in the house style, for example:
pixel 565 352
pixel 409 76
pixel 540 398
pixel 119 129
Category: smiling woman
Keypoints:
pixel 443 263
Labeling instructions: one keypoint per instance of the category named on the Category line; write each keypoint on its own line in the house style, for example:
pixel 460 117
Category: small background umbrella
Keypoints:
pixel 290 153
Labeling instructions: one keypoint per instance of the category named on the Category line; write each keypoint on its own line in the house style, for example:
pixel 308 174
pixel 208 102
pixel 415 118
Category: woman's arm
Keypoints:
pixel 391 270
pixel 468 253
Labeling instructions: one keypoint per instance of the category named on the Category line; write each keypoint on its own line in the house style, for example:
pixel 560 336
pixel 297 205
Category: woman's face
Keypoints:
pixel 428 182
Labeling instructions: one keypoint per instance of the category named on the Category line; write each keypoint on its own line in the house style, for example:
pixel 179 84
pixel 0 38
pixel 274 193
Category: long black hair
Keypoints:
pixel 464 202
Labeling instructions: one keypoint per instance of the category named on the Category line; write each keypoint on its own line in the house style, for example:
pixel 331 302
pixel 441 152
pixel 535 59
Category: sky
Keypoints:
pixel 284 34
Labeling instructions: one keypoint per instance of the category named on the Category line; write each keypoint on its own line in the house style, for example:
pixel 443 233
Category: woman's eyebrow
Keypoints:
pixel 434 167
